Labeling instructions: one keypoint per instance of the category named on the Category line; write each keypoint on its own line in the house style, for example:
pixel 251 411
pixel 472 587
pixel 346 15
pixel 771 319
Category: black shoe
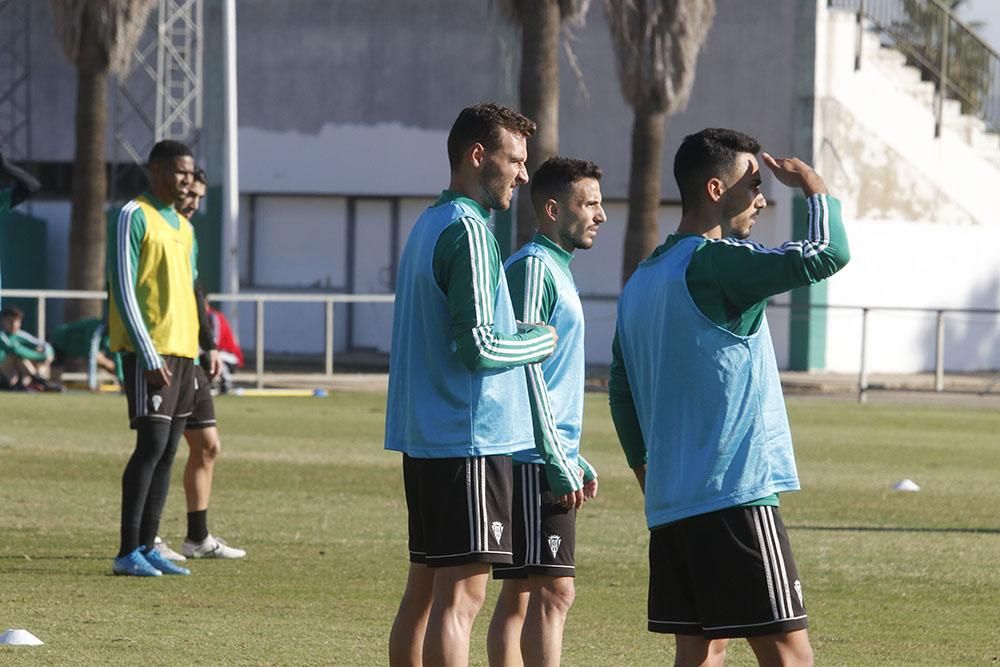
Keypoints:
pixel 41 384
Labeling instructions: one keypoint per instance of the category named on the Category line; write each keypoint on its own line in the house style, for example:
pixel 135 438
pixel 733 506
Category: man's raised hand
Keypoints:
pixel 795 173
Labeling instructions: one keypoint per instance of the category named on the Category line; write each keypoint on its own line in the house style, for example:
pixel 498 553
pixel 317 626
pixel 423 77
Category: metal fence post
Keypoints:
pixel 329 337
pixel 939 353
pixel 860 35
pixel 863 373
pixel 943 77
pixel 259 342
pixel 41 318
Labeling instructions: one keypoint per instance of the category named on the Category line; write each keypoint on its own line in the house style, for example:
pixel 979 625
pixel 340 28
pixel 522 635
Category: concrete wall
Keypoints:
pixel 330 95
pixel 365 110
pixel 352 98
pixel 351 101
pixel 923 229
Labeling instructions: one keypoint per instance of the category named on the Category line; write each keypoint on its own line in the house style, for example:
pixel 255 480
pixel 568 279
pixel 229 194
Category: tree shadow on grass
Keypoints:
pixel 895 529
pixel 31 558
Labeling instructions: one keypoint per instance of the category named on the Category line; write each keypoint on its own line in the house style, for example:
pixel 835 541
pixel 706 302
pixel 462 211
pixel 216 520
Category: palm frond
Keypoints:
pixel 114 25
pixel 656 45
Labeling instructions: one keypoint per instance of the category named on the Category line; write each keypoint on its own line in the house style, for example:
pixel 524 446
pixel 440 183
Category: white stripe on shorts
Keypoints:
pixel 536 511
pixel 530 510
pixel 758 526
pixel 785 589
pixel 140 389
pixel 471 499
pixel 484 544
pixel 479 523
pixel 774 563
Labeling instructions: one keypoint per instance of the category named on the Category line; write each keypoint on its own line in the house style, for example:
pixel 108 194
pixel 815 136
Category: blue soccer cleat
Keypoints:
pixel 134 564
pixel 156 559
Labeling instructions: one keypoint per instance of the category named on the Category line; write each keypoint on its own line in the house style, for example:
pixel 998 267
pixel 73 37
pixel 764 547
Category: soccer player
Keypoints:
pixel 230 352
pixel 697 403
pixel 153 319
pixel 200 430
pixel 24 359
pixel 457 405
pixel 86 342
pixel 552 480
pixel 25 185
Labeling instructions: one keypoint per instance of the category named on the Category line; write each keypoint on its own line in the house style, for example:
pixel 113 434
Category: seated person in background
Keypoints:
pixel 84 345
pixel 230 353
pixel 24 360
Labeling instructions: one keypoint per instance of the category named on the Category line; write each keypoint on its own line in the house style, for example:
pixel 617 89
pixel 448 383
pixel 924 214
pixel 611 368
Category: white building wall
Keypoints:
pixel 325 117
pixel 921 220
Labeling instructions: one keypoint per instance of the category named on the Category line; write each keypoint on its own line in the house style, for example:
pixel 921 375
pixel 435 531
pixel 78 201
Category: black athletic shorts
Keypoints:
pixel 148 402
pixel 203 414
pixel 459 509
pixel 544 530
pixel 724 574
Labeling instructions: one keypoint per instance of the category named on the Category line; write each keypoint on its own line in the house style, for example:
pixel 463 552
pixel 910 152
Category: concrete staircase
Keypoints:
pixel 880 118
pixel 892 64
pixel 923 228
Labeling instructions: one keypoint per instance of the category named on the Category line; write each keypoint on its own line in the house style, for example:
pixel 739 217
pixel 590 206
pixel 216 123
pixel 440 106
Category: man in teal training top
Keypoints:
pixel 457 406
pixel 697 403
pixel 552 480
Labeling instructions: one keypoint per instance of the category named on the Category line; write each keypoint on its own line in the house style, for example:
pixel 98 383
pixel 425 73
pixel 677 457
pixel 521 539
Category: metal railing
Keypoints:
pixel 329 300
pixel 947 52
pixel 863 385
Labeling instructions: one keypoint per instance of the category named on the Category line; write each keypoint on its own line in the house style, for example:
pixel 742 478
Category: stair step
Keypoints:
pixel 951 109
pixel 909 74
pixel 871 43
pixel 891 57
pixel 892 64
pixel 987 144
pixel 922 90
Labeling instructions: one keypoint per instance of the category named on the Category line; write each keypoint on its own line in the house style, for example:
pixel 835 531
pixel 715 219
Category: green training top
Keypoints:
pixel 23 345
pixel 730 281
pixel 467 268
pixel 75 339
pixel 544 295
pixel 136 224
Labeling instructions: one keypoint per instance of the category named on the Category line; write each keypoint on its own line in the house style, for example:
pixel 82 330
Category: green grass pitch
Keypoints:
pixel 890 578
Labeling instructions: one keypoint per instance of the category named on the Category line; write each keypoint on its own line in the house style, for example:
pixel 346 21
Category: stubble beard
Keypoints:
pixel 579 242
pixel 494 186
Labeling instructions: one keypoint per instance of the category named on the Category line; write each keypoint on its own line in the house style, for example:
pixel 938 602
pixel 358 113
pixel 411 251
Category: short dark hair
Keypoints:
pixel 554 176
pixel 12 311
pixel 482 124
pixel 200 176
pixel 707 154
pixel 168 150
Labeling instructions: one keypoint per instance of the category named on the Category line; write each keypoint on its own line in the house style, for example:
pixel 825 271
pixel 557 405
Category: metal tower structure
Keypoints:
pixel 160 96
pixel 15 71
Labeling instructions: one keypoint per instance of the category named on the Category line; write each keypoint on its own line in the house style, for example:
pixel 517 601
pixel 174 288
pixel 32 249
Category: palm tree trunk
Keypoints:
pixel 539 95
pixel 642 232
pixel 88 233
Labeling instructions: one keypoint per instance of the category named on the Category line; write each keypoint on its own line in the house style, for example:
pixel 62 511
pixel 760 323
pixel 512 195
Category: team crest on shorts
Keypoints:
pixel 554 542
pixel 497 530
pixel 156 400
pixel 798 590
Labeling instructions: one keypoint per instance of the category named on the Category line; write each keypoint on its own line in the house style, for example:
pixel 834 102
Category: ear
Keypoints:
pixel 715 188
pixel 477 153
pixel 551 209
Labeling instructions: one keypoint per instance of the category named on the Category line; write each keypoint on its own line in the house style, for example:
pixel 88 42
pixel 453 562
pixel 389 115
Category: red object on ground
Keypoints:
pixel 225 340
